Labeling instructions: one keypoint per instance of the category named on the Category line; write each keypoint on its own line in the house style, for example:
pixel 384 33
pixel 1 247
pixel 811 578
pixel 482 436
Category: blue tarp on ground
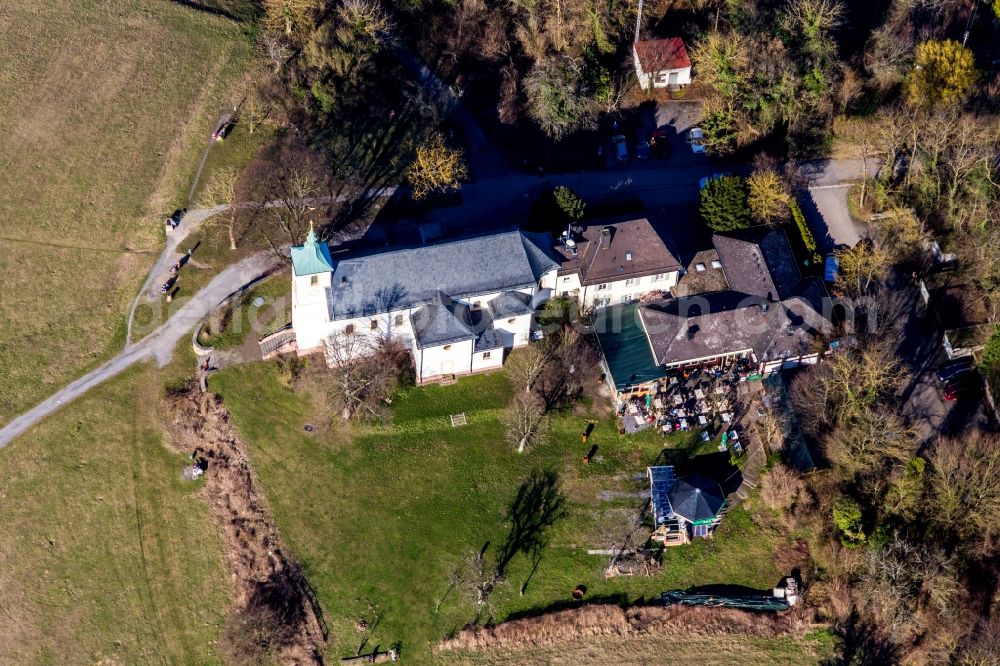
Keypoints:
pixel 625 347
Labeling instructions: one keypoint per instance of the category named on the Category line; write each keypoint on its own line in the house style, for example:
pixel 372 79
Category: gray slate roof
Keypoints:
pixel 378 282
pixel 758 261
pixel 707 325
pixel 442 321
pixel 696 498
pixel 511 304
pixel 489 339
pixel 769 308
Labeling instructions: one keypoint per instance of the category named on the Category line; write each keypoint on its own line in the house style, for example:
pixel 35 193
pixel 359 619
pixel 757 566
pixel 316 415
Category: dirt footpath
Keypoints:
pixel 274 610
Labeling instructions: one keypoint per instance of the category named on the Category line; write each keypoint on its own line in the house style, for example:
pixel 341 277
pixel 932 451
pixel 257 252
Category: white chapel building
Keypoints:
pixel 458 305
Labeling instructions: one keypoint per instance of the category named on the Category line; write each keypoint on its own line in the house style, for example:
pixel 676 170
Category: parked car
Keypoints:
pixel 831 268
pixel 641 145
pixel 621 147
pixel 660 141
pixel 954 368
pixel 697 140
pixel 966 384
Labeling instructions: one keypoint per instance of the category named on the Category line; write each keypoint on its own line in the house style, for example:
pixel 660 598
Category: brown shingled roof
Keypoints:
pixel 658 54
pixel 629 249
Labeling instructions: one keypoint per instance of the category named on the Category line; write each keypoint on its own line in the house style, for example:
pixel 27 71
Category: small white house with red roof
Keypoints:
pixel 661 63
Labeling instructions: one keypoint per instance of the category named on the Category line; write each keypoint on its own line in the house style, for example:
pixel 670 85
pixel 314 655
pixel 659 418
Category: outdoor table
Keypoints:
pixel 698 393
pixel 702 420
pixel 678 400
pixel 719 390
pixel 727 417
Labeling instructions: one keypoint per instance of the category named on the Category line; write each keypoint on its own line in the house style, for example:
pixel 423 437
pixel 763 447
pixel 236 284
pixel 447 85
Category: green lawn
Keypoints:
pixel 241 320
pixel 108 557
pixel 107 108
pixel 385 513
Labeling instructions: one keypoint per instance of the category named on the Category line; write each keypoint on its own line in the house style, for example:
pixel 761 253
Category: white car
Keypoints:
pixel 697 140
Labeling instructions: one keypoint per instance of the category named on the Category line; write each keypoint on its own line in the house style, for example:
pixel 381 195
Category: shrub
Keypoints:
pixel 780 487
pixel 991 350
pixel 436 168
pixel 807 236
pixel 943 72
pixel 767 196
pixel 720 132
pixel 724 204
pixel 559 97
pixel 569 202
pixel 847 519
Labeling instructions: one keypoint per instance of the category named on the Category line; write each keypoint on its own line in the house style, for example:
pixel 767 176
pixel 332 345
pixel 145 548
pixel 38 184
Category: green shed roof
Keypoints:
pixel 625 346
pixel 312 256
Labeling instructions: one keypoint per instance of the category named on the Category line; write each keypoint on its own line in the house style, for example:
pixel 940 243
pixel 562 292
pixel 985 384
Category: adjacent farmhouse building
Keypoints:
pixel 458 305
pixel 661 63
pixel 768 316
pixel 616 262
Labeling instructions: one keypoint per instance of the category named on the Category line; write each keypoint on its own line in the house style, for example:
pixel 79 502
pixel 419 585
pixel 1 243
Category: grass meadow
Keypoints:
pixel 383 514
pixel 107 556
pixel 107 109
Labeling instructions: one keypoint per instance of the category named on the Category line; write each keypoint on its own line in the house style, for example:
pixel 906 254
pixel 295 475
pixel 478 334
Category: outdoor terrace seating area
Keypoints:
pixel 693 399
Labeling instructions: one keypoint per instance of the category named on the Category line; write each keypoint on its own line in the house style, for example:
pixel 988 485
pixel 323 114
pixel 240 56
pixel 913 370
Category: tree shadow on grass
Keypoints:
pixel 615 599
pixel 538 505
pixel 863 645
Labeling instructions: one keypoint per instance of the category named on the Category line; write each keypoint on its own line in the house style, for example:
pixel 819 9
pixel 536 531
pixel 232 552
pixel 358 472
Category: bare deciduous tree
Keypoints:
pixel 964 491
pixel 781 487
pixel 282 191
pixel 363 371
pixel 277 50
pixel 868 442
pixel 254 111
pixel 220 190
pixel 862 267
pixel 903 583
pixel 856 380
pixel 480 579
pixel 525 365
pixel 524 421
pixel 291 17
pixel 366 18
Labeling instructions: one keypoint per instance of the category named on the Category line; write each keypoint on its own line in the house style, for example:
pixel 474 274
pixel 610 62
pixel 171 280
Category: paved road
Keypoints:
pixel 160 272
pixel 158 345
pixel 829 218
pixel 829 181
pixel 923 403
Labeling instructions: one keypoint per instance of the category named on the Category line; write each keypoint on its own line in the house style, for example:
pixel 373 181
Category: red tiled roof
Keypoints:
pixel 658 54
